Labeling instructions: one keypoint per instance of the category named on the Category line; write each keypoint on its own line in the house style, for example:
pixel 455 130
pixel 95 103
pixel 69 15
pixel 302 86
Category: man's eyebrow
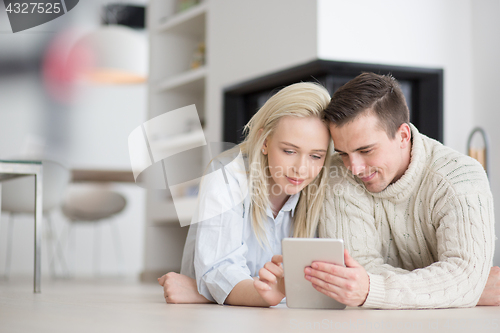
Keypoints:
pixel 358 149
pixel 294 146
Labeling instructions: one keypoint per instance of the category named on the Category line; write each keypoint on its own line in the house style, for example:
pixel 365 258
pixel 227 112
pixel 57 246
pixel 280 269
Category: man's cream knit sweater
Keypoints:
pixel 427 240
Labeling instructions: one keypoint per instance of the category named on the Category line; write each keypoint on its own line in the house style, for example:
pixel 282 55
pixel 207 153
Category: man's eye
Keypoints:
pixel 316 157
pixel 366 151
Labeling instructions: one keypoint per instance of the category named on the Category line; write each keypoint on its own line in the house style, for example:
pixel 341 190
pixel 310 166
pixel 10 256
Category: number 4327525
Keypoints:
pixel 34 7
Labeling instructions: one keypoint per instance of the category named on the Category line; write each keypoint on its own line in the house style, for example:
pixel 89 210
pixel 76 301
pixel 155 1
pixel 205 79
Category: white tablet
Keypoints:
pixel 298 253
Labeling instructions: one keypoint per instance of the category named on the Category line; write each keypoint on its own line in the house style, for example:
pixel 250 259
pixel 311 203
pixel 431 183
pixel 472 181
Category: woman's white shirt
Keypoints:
pixel 223 250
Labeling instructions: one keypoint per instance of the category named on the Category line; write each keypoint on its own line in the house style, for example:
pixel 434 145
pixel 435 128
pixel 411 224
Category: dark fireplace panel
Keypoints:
pixel 422 87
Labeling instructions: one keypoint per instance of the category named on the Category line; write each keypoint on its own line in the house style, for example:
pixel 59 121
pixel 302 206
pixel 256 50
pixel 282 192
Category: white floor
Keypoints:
pixel 82 306
pixel 107 305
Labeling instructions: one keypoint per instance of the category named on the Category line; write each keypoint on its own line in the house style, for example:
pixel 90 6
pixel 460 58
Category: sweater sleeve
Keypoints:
pixel 465 239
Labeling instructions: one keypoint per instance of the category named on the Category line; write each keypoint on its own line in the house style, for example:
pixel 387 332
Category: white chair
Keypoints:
pixel 95 205
pixel 17 198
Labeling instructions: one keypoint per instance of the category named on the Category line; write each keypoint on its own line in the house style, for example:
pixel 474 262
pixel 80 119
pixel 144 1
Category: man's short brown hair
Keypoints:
pixel 370 91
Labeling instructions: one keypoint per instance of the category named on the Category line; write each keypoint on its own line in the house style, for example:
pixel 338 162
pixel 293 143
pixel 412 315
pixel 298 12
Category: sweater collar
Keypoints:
pixel 405 186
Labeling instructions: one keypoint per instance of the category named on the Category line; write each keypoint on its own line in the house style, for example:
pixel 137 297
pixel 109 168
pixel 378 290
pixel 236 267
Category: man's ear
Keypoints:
pixel 404 133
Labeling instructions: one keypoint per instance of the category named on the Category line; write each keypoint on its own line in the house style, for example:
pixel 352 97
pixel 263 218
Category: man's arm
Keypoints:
pixel 458 277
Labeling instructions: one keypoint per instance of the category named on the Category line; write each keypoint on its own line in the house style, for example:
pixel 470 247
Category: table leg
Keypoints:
pixel 38 230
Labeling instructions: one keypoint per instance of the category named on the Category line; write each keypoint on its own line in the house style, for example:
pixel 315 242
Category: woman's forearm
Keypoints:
pixel 244 293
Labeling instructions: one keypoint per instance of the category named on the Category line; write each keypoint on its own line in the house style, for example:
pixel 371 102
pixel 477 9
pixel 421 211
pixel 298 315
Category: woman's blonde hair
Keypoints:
pixel 298 100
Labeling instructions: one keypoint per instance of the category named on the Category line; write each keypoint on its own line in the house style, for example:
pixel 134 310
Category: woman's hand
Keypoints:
pixel 178 289
pixel 271 282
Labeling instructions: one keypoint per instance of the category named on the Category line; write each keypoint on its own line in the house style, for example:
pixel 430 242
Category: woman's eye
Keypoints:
pixel 289 152
pixel 316 157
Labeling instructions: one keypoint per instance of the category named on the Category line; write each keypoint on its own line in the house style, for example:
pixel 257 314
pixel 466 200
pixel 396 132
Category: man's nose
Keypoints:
pixel 357 165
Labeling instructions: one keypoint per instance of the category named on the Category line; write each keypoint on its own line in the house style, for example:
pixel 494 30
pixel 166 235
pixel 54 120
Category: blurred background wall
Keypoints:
pixel 87 131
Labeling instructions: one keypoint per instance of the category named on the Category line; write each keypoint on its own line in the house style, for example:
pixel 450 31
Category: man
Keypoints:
pixel 416 216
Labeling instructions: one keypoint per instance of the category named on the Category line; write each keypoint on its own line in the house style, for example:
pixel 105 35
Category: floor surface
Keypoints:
pixel 106 305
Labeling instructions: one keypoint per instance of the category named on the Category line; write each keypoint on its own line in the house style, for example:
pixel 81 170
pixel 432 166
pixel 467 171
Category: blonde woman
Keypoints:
pixel 286 152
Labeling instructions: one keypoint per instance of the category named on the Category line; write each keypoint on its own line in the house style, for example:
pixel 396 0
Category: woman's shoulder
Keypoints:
pixel 232 162
pixel 225 174
pixel 224 183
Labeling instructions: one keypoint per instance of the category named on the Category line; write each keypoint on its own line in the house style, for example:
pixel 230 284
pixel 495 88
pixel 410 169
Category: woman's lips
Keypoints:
pixel 295 181
pixel 370 177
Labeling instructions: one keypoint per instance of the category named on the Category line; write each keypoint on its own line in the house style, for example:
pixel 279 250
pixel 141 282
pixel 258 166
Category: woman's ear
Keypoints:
pixel 264 145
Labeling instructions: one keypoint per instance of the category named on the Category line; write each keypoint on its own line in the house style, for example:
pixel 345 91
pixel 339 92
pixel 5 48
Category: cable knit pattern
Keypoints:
pixel 426 241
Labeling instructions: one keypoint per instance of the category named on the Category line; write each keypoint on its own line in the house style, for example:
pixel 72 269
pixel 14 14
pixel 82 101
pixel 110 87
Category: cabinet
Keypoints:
pixel 177 41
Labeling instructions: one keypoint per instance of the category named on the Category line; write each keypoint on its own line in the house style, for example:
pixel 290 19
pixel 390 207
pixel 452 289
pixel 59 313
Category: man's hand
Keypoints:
pixel 348 285
pixel 491 292
pixel 271 282
pixel 178 288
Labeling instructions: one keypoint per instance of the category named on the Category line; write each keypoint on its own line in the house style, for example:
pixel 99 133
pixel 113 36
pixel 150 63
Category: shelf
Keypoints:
pixel 179 143
pixel 192 80
pixel 190 22
pixel 164 212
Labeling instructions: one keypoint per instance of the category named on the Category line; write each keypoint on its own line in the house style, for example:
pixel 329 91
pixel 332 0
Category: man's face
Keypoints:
pixel 369 153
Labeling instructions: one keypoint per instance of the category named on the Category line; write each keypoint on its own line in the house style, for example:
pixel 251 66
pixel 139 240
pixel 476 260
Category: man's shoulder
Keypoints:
pixel 459 171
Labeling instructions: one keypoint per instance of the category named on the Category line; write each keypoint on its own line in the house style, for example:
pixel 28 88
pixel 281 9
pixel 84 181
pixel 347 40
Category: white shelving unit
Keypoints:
pixel 190 81
pixel 166 211
pixel 173 84
pixel 191 21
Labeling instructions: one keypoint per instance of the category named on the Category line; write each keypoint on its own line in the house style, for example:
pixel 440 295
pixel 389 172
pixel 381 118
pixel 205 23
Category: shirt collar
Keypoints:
pixel 289 205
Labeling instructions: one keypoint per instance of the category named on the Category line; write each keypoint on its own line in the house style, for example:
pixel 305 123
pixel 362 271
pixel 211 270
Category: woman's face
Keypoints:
pixel 296 153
